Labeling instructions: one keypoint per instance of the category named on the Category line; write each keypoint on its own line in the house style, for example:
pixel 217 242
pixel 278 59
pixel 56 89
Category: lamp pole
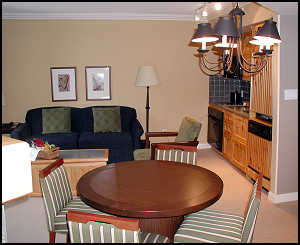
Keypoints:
pixel 147 110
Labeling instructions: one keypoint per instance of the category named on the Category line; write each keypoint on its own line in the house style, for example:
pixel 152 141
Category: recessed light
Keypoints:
pixel 218 6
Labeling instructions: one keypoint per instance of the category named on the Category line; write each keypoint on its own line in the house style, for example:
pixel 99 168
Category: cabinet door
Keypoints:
pixel 240 127
pixel 228 121
pixel 227 145
pixel 239 154
pixel 260 154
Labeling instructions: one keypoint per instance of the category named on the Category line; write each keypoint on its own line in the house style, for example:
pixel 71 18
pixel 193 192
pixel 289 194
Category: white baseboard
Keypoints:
pixel 203 146
pixel 287 197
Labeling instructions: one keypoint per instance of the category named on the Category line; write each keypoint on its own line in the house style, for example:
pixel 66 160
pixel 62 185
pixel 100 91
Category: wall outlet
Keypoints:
pixel 290 94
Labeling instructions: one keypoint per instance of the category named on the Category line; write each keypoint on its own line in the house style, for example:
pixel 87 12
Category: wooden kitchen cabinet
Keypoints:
pixel 227 145
pixel 259 158
pixel 235 132
pixel 239 154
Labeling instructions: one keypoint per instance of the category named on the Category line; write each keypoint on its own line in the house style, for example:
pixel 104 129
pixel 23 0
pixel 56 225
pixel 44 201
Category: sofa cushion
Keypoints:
pixel 62 140
pixel 105 140
pixel 127 114
pixel 107 119
pixel 56 120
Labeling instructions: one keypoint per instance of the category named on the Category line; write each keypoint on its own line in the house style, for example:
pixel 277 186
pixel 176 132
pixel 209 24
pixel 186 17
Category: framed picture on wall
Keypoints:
pixel 98 86
pixel 63 83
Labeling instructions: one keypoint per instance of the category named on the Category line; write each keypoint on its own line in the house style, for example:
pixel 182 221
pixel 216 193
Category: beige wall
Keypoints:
pixel 31 47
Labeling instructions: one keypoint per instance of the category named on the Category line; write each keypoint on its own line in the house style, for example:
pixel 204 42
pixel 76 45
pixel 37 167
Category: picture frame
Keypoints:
pixel 98 82
pixel 63 84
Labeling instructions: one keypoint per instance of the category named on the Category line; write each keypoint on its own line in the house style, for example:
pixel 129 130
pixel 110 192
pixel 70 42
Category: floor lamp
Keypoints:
pixel 146 77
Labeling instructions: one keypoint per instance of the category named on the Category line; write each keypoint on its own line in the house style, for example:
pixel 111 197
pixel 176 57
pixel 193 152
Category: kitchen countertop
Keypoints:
pixel 241 111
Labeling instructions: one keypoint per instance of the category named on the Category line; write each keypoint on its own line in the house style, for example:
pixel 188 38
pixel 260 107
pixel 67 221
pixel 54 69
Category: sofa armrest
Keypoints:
pixel 136 132
pixel 22 132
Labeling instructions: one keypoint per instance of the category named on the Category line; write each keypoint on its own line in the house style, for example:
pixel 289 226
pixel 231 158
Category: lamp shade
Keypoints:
pixel 204 33
pixel 146 77
pixel 16 169
pixel 226 26
pixel 268 32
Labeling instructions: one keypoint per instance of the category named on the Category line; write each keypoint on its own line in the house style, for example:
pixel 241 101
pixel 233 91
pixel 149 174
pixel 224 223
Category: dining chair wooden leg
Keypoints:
pixel 52 236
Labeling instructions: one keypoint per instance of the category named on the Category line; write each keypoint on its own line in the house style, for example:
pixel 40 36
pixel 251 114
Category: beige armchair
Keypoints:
pixel 187 135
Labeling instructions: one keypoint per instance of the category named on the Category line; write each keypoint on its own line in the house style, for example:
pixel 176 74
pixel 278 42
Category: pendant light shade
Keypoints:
pixel 268 32
pixel 226 26
pixel 204 33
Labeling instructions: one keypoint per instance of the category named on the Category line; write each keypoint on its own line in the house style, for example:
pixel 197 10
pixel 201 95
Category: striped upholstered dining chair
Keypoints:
pixel 95 228
pixel 58 198
pixel 210 225
pixel 174 152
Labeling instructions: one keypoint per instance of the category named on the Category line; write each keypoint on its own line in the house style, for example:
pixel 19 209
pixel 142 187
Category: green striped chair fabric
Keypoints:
pixel 101 229
pixel 210 225
pixel 176 153
pixel 58 198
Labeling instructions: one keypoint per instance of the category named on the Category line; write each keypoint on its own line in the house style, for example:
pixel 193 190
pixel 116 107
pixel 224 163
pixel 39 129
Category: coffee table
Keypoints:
pixel 77 162
pixel 159 193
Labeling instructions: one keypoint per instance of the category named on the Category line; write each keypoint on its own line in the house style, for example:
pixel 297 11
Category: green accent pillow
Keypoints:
pixel 107 119
pixel 56 120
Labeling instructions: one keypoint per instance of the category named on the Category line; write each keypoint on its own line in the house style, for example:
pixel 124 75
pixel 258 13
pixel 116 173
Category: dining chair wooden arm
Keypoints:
pixel 157 134
pixel 119 222
pixel 46 171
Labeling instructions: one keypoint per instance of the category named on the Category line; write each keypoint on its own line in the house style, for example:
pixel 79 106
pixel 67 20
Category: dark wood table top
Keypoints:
pixel 150 189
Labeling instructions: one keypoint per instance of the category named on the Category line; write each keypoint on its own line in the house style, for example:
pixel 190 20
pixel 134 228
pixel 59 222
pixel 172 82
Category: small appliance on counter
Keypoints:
pixel 235 98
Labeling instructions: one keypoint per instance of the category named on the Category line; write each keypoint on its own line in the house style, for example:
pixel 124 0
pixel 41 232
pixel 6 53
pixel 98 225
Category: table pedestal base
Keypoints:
pixel 163 226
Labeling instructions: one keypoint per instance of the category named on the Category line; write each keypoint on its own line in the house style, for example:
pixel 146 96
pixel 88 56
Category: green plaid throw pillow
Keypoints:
pixel 56 120
pixel 107 119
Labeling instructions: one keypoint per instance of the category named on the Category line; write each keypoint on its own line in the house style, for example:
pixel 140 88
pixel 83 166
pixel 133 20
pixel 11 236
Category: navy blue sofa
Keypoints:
pixel 120 144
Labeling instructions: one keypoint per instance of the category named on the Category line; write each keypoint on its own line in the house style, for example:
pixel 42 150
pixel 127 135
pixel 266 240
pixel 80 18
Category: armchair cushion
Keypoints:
pixel 56 120
pixel 189 130
pixel 142 154
pixel 107 119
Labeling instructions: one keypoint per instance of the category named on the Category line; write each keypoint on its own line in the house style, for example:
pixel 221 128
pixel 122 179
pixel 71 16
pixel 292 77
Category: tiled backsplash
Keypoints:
pixel 220 88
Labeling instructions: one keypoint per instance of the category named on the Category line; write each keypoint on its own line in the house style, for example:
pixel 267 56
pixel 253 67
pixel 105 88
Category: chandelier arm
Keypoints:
pixel 202 66
pixel 263 64
pixel 210 68
pixel 240 54
pixel 254 68
pixel 213 63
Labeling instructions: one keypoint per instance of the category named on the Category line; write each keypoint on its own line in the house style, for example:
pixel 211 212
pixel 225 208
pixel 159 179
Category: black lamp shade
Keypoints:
pixel 269 30
pixel 204 31
pixel 226 26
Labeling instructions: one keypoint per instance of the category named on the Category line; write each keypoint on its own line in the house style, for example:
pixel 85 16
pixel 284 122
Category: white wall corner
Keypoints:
pixel 203 146
pixel 287 197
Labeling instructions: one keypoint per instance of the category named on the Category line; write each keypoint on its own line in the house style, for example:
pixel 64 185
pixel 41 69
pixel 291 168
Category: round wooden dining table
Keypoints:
pixel 158 193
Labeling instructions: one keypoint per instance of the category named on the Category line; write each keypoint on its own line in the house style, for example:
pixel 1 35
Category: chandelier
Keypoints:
pixel 229 29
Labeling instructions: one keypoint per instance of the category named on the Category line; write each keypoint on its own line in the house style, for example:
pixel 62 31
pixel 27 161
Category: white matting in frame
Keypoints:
pixel 63 83
pixel 98 85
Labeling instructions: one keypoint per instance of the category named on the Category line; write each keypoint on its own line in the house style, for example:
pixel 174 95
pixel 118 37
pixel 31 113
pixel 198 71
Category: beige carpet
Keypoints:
pixel 26 220
pixel 275 222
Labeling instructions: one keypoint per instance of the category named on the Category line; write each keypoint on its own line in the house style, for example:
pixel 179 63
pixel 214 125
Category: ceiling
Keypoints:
pixel 109 10
pixel 126 10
